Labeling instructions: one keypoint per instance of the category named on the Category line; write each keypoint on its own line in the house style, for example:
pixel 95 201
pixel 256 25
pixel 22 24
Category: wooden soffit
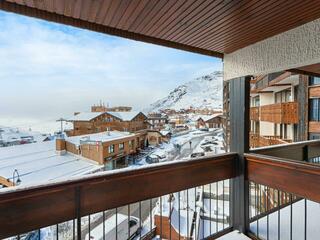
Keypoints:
pixel 312 70
pixel 210 27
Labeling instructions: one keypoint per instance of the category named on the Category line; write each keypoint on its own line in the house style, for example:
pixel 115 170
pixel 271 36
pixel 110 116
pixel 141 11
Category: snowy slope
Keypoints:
pixel 200 93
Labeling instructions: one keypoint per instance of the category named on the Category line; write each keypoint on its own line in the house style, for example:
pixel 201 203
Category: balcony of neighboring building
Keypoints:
pixel 256 140
pixel 286 112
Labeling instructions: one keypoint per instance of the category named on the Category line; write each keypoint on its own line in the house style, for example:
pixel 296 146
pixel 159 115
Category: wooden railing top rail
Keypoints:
pixel 27 208
pixel 295 151
pixel 296 177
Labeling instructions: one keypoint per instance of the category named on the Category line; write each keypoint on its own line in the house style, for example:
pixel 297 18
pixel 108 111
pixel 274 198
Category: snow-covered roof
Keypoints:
pixel 209 117
pixel 85 116
pixel 165 132
pixel 39 162
pixel 99 137
pixel 125 116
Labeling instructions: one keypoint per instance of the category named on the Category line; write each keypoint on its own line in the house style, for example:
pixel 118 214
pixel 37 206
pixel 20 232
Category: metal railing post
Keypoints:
pixel 239 142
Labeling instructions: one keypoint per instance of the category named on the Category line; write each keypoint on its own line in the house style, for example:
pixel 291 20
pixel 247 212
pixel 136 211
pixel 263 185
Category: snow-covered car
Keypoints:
pixel 209 143
pixel 198 154
pixel 152 158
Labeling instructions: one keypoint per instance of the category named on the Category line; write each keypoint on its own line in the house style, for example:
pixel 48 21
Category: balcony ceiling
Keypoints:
pixel 204 26
pixel 313 70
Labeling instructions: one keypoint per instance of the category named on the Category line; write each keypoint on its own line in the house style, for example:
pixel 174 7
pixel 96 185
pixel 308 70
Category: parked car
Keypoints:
pixel 110 228
pixel 199 154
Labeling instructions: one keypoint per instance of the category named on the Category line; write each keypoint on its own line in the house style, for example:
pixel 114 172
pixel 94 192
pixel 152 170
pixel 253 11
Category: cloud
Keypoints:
pixel 49 70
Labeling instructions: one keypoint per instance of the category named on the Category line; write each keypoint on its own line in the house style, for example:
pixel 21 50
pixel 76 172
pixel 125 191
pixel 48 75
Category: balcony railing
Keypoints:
pixel 285 206
pixel 257 140
pixel 80 205
pixel 280 113
pixel 80 208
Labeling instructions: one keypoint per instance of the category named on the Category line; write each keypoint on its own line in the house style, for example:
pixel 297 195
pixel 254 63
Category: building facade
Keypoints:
pixel 112 149
pixel 94 122
pixel 284 108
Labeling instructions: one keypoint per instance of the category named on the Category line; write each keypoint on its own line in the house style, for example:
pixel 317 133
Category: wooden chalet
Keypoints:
pixel 94 122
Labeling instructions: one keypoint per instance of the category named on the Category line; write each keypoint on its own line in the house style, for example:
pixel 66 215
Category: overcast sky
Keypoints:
pixel 49 70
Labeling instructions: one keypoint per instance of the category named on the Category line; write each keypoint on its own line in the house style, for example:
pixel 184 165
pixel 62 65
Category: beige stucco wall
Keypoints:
pixel 266 98
pixel 295 48
pixel 266 128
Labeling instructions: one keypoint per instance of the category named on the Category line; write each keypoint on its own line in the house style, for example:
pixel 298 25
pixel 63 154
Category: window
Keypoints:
pixel 121 146
pixel 314 81
pixel 108 119
pixel 283 96
pixel 111 149
pixel 314 113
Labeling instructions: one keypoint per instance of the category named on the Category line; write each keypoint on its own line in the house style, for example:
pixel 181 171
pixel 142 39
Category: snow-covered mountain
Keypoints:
pixel 202 92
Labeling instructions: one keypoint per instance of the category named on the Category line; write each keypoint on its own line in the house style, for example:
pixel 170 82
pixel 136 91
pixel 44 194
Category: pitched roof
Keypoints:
pixel 125 116
pixel 209 117
pixel 85 116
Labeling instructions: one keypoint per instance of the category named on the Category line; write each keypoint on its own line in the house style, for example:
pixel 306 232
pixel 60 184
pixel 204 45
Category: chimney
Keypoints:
pixel 60 145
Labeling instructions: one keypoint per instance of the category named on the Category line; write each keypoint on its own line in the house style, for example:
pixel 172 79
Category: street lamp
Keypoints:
pixel 14 176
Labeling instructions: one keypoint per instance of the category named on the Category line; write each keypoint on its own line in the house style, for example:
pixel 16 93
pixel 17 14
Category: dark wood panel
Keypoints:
pixel 25 209
pixel 205 27
pixel 266 17
pixel 4 5
pixel 299 178
pixel 312 70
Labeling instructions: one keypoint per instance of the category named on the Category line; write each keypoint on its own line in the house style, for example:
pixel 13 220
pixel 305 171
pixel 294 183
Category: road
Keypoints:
pixel 141 211
pixel 186 150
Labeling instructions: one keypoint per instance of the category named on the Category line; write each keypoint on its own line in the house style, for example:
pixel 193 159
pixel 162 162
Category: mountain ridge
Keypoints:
pixel 200 93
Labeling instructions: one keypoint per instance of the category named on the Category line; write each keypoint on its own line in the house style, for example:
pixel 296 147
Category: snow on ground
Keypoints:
pixel 13 136
pixel 298 221
pixel 39 162
pixel 48 126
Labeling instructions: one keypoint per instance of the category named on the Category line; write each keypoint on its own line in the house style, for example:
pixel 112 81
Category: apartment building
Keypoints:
pixel 314 107
pixel 284 108
pixel 112 148
pixel 95 122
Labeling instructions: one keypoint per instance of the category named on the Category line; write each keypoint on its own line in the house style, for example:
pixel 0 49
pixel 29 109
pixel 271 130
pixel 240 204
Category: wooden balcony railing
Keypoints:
pixel 280 113
pixel 254 113
pixel 262 141
pixel 25 209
